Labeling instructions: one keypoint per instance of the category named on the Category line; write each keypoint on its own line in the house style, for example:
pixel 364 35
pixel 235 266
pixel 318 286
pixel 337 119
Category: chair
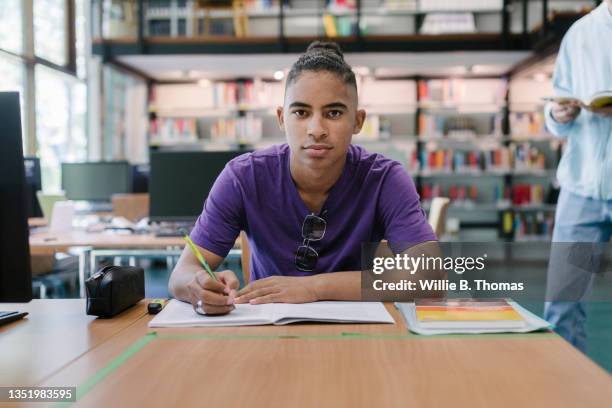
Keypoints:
pixel 437 215
pixel 246 257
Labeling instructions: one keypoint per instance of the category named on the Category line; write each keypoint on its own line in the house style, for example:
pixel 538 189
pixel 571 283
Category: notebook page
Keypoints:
pixel 181 314
pixel 340 312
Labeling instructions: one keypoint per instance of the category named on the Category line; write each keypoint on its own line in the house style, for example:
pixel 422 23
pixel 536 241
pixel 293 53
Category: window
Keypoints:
pixel 50 30
pixel 11 32
pixel 81 37
pixel 60 122
pixel 11 73
pixel 52 85
pixel 11 79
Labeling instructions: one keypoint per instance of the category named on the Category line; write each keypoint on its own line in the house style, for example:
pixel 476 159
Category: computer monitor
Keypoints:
pixel 96 181
pixel 181 181
pixel 15 272
pixel 33 184
pixel 140 178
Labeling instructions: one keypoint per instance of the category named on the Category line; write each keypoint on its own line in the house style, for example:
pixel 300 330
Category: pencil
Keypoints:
pixel 198 255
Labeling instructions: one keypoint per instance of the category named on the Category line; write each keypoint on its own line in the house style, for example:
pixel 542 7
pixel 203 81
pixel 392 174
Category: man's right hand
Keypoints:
pixel 217 296
pixel 565 113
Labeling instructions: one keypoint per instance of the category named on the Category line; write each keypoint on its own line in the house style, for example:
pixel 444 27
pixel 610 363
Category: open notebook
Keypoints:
pixel 180 314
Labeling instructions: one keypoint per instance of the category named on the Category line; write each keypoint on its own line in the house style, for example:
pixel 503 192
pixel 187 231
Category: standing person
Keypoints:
pixel 584 211
pixel 306 206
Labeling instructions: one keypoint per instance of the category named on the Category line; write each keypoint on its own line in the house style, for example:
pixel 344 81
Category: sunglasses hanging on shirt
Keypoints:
pixel 313 229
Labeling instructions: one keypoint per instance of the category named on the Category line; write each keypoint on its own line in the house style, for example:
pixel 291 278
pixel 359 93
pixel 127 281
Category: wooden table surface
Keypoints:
pixel 55 333
pixel 37 222
pixel 45 240
pixel 314 365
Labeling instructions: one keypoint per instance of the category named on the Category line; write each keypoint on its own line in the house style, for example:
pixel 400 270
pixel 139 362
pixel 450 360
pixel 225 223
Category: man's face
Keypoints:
pixel 319 118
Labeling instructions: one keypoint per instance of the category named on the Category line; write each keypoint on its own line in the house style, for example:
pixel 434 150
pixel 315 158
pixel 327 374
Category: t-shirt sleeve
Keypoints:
pixel 400 211
pixel 222 217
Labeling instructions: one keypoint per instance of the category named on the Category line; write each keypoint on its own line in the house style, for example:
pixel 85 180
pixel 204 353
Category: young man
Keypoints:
pixel 584 211
pixel 307 206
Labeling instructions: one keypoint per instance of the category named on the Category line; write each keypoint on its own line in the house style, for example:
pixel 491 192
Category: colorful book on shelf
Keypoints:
pixel 467 313
pixel 329 23
pixel 599 100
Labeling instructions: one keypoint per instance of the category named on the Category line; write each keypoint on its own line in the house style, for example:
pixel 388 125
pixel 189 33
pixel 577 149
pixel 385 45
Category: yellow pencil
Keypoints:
pixel 198 255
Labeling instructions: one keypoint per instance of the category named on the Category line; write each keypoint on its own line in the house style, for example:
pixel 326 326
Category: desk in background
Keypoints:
pixel 315 365
pixel 108 244
pixel 92 244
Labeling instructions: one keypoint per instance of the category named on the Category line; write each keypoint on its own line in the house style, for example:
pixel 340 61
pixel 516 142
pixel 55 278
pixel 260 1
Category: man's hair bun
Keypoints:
pixel 328 47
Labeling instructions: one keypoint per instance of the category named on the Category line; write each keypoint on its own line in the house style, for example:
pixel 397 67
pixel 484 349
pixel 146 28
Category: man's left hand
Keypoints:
pixel 278 289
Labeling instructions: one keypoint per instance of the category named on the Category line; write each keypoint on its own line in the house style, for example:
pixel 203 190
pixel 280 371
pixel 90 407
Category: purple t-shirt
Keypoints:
pixel 373 199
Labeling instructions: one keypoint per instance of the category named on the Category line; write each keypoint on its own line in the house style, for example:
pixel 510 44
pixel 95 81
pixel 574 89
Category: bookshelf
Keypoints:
pixel 296 18
pixel 487 150
pixel 225 112
pixel 448 133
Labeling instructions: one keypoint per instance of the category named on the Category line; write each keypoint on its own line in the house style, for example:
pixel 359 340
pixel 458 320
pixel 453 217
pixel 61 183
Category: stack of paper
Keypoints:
pixel 469 316
pixel 180 314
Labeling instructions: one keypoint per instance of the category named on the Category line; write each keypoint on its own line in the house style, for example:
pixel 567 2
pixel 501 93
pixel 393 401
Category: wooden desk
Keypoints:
pixel 37 222
pixel 105 243
pixel 43 242
pixel 46 241
pixel 56 332
pixel 314 365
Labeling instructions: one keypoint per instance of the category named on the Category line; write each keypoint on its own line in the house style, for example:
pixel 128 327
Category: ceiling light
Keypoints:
pixel 459 70
pixel 540 76
pixel 363 71
pixel 278 75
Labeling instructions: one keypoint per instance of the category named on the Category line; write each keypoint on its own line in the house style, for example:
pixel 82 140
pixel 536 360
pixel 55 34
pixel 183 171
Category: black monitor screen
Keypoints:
pixel 15 274
pixel 33 184
pixel 181 181
pixel 140 178
pixel 96 181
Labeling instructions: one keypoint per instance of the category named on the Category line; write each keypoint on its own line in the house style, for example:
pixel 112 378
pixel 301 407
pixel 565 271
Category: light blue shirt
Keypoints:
pixel 583 68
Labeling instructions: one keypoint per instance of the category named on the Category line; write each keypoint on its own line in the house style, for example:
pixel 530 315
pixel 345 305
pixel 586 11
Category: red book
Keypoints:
pixel 498 157
pixel 473 192
pixel 423 94
pixel 426 192
pixel 461 193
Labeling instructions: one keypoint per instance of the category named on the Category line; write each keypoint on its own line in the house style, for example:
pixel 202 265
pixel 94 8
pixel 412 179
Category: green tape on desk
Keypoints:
pixel 117 362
